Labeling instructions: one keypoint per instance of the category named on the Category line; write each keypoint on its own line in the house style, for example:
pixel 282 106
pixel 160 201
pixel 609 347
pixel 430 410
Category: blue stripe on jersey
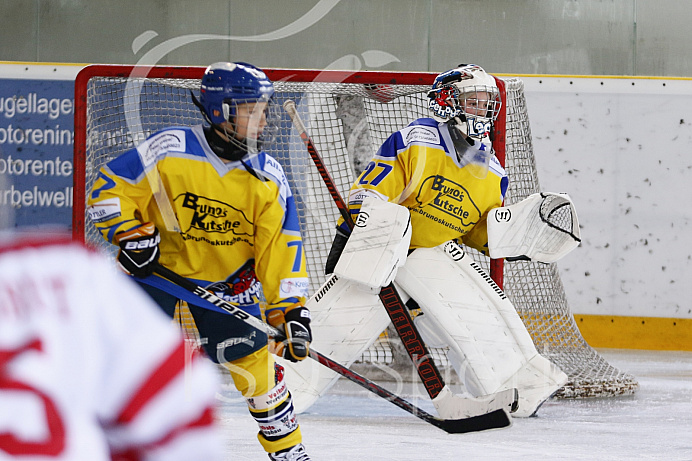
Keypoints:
pixel 425 121
pixel 395 143
pixel 129 166
pixel 291 221
pixel 272 170
pixel 496 167
pixel 504 183
pixel 389 149
pixel 114 229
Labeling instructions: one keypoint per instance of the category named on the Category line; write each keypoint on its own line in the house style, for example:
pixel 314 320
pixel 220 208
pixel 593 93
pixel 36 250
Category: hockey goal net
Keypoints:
pixel 348 115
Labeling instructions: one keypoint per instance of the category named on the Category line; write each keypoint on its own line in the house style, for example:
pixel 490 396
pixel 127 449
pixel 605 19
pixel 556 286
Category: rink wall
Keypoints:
pixel 618 145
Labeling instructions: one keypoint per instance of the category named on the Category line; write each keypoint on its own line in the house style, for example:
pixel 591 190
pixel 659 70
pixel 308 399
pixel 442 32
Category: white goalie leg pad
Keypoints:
pixel 543 227
pixel 347 318
pixel 490 347
pixel 378 244
pixel 448 404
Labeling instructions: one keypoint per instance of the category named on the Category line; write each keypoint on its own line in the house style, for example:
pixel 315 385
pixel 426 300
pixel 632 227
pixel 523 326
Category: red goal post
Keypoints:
pixel 348 115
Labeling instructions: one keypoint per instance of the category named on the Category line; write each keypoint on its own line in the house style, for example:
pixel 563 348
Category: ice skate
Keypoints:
pixel 295 453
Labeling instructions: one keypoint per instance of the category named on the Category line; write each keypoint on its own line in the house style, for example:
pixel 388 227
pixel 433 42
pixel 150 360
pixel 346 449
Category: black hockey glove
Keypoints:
pixel 139 249
pixel 294 342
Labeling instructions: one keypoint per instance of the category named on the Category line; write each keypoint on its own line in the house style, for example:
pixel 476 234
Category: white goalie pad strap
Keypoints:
pixel 347 318
pixel 489 344
pixel 378 244
pixel 543 227
pixel 537 380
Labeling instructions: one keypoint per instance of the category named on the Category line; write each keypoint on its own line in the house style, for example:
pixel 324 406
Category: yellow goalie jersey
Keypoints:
pixel 417 167
pixel 237 221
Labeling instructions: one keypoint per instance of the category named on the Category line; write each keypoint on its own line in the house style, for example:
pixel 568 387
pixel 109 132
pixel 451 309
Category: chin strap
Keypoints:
pixel 199 105
pixel 228 150
pixel 224 149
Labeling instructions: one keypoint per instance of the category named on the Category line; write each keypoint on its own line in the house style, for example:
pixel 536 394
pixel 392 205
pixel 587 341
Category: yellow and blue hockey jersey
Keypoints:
pixel 237 222
pixel 417 167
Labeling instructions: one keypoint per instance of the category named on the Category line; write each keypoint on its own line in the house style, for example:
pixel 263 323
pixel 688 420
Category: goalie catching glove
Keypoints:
pixel 294 324
pixel 543 227
pixel 139 249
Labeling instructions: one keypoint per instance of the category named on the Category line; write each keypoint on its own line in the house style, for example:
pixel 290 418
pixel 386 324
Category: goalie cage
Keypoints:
pixel 348 115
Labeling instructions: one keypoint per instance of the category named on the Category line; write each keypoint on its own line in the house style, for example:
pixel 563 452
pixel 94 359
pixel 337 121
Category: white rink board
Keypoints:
pixel 39 71
pixel 621 148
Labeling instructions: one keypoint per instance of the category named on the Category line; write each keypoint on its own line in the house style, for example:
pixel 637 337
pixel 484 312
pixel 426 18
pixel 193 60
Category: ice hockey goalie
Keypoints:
pixel 431 187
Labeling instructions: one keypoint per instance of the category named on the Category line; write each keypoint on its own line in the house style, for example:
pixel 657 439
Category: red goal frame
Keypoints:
pixel 196 72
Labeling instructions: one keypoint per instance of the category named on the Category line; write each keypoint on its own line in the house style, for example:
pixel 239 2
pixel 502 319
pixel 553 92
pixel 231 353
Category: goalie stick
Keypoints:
pixel 445 401
pixel 496 419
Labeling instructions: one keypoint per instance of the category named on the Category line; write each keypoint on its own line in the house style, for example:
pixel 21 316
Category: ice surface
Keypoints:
pixel 352 424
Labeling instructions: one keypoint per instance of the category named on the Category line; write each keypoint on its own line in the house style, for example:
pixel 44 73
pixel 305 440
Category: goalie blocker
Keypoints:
pixel 378 244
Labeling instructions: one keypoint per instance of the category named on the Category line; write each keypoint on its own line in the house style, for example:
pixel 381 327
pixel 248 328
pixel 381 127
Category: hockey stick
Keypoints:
pixel 494 420
pixel 445 401
pixel 427 370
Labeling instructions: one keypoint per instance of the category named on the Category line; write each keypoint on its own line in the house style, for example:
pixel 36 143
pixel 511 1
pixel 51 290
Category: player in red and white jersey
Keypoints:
pixel 90 368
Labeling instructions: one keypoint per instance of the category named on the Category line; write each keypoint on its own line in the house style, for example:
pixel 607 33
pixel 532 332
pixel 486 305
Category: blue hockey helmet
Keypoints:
pixel 226 84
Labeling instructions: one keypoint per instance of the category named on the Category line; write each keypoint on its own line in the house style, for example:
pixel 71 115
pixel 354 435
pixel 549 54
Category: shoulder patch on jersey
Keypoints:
pixel 104 210
pixel 419 133
pixel 273 168
pixel 161 143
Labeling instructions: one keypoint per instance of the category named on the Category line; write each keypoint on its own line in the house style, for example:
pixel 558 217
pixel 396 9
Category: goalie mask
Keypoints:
pixel 230 91
pixel 467 100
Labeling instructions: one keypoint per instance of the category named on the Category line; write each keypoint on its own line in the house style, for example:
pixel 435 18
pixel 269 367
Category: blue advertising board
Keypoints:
pixel 36 145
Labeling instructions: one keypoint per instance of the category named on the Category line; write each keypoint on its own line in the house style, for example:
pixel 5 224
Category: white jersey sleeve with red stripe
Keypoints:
pixel 91 369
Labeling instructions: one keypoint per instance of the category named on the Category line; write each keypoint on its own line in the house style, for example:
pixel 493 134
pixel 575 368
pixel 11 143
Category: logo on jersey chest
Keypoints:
pixel 242 287
pixel 212 216
pixel 452 199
